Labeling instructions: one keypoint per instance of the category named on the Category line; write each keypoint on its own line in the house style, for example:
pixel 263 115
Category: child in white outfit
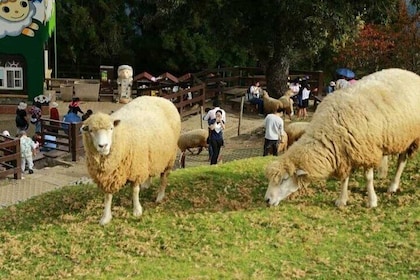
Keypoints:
pixel 27 150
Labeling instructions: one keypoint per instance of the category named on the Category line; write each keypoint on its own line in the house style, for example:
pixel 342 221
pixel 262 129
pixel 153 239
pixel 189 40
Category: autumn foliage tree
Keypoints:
pixel 381 46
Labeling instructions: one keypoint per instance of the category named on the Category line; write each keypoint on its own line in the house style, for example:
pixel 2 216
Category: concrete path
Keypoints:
pixel 42 180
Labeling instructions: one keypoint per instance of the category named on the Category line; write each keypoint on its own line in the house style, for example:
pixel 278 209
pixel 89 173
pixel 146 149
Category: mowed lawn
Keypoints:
pixel 214 224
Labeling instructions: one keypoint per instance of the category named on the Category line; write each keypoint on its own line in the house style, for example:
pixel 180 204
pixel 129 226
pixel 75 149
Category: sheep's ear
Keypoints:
pixel 116 122
pixel 84 128
pixel 300 172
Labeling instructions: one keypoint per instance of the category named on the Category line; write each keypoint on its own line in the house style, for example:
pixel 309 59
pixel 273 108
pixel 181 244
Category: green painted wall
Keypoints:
pixel 32 49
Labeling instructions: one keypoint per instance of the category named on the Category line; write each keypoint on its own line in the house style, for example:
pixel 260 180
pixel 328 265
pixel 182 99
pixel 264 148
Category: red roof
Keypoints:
pixel 167 77
pixel 144 77
pixel 185 77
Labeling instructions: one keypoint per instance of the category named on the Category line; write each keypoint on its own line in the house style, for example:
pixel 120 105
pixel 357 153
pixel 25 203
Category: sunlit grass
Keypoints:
pixel 213 224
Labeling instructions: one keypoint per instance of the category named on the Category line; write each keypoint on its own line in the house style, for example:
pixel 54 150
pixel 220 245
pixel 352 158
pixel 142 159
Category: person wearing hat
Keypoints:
pixel 21 119
pixel 54 115
pixel 331 87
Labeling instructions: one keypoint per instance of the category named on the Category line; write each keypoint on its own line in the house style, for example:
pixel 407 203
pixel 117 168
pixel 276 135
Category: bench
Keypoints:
pixel 248 107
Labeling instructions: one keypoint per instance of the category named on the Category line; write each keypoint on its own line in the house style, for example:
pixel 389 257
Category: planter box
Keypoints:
pixel 87 90
pixel 66 92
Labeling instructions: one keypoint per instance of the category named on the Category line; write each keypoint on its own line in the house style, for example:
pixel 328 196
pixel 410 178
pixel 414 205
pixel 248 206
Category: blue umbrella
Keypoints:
pixel 345 72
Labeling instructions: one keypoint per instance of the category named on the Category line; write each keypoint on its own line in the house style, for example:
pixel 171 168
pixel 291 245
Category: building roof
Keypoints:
pixel 167 78
pixel 144 77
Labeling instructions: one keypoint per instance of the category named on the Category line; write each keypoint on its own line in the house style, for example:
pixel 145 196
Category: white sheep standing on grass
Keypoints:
pixel 133 144
pixel 196 138
pixel 354 127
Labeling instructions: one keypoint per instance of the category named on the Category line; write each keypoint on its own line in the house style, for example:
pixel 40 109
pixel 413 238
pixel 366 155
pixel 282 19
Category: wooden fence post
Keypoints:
pixel 73 141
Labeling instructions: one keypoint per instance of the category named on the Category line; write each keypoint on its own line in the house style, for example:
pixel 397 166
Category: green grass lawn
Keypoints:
pixel 214 224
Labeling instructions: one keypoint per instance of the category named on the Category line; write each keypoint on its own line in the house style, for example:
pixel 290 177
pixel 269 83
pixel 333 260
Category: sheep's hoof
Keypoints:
pixel 340 203
pixel 393 188
pixel 372 204
pixel 160 197
pixel 105 220
pixel 138 212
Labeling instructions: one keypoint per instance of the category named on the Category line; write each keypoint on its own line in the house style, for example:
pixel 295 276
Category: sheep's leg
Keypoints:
pixel 383 168
pixel 402 161
pixel 107 216
pixel 342 200
pixel 137 209
pixel 146 184
pixel 182 160
pixel 372 198
pixel 163 183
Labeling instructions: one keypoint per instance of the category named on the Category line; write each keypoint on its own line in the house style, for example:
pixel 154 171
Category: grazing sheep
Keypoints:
pixel 196 138
pixel 133 144
pixel 294 131
pixel 354 127
pixel 297 129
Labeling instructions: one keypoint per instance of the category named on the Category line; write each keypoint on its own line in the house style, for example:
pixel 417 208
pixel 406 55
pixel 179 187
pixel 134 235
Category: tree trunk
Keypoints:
pixel 276 75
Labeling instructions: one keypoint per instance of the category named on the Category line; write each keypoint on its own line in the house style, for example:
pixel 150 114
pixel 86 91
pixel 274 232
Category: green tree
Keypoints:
pixel 274 33
pixel 93 32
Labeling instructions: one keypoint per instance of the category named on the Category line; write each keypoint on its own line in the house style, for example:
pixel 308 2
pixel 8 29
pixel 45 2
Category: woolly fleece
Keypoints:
pixel 355 127
pixel 144 143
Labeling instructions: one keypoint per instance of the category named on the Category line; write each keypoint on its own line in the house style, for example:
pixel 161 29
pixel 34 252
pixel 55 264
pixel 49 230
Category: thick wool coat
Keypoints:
pixel 144 143
pixel 355 127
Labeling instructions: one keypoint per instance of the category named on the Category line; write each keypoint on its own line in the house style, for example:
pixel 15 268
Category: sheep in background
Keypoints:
pixel 283 144
pixel 270 104
pixel 294 131
pixel 133 144
pixel 287 102
pixel 352 128
pixel 196 138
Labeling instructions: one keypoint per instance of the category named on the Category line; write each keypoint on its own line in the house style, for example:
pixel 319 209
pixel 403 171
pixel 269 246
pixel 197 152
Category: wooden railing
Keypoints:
pixel 10 159
pixel 66 137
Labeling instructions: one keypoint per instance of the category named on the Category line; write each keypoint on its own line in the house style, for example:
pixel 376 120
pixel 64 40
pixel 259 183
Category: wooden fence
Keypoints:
pixel 62 136
pixel 10 160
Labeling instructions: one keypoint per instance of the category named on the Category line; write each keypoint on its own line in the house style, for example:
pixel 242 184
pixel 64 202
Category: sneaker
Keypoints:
pixel 261 115
pixel 31 171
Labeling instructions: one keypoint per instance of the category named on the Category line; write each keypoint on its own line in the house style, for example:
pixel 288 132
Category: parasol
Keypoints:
pixel 345 72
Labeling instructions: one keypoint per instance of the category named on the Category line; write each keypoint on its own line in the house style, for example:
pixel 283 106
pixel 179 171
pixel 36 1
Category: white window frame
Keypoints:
pixel 15 82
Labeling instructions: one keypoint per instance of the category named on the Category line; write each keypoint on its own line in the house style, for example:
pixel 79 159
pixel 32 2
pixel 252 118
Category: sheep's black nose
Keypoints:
pixel 102 145
pixel 267 200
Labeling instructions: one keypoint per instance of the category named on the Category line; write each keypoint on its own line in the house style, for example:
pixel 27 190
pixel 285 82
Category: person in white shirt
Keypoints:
pixel 304 102
pixel 216 127
pixel 255 97
pixel 274 129
pixel 211 115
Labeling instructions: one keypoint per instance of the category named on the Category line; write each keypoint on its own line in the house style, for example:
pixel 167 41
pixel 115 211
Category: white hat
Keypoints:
pixel 22 106
pixel 54 105
pixel 5 133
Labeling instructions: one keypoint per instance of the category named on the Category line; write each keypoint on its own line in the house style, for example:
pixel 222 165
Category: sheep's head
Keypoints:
pixel 283 181
pixel 100 128
pixel 265 93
